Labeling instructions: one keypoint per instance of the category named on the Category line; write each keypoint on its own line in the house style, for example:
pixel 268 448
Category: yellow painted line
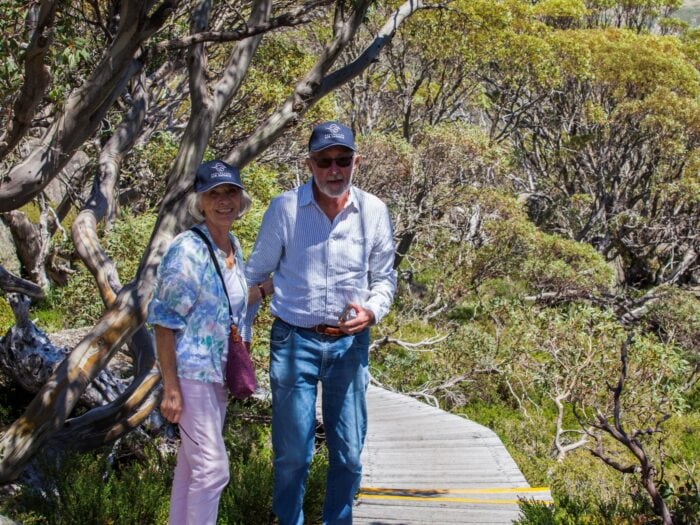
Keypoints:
pixel 450 500
pixel 456 491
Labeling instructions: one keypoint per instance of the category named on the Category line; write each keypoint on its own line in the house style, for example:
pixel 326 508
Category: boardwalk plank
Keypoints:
pixel 432 514
pixel 434 468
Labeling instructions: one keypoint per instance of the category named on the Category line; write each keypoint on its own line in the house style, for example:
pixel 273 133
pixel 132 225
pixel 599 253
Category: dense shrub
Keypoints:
pixel 103 489
pixel 91 488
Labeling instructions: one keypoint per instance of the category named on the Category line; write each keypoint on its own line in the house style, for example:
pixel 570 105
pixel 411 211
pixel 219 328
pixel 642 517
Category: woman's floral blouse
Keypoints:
pixel 189 298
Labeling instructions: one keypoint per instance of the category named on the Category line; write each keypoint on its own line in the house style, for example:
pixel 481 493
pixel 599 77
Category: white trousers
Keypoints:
pixel 201 473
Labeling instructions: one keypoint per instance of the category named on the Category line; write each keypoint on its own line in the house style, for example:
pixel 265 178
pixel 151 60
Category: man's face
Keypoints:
pixel 332 170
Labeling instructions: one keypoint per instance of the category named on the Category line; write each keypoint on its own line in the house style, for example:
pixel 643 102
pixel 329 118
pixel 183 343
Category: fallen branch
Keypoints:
pixel 31 358
pixel 416 347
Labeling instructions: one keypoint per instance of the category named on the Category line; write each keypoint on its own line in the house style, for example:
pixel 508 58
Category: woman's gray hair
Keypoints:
pixel 194 206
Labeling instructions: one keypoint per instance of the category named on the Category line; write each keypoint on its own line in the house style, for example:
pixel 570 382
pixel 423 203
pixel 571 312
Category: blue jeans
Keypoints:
pixel 299 359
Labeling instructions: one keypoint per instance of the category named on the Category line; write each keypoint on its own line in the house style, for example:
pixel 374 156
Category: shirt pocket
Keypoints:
pixel 352 254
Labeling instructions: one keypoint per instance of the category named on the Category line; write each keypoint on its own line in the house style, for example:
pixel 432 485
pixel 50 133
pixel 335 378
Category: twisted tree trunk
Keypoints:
pixel 45 417
pixel 31 358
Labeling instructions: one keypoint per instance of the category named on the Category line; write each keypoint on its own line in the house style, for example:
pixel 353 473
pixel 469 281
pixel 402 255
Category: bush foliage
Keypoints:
pixel 113 487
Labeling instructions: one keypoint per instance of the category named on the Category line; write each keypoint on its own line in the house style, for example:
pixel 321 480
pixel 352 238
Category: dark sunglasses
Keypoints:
pixel 325 162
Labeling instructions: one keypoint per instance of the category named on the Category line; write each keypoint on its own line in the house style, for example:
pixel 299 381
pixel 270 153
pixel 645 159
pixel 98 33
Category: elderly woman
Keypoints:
pixel 190 313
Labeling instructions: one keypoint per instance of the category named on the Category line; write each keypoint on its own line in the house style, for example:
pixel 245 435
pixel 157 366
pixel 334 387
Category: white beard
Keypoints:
pixel 333 193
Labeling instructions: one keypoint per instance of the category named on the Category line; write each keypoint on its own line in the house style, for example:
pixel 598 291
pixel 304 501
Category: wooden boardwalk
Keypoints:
pixel 422 465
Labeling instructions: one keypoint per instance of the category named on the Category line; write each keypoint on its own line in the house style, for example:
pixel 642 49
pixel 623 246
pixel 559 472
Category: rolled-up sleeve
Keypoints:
pixel 382 276
pixel 177 285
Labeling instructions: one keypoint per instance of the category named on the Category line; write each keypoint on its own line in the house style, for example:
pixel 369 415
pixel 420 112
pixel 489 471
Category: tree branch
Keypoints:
pixel 84 108
pixel 301 15
pixel 36 75
pixel 617 431
pixel 316 84
pixel 102 202
pixel 10 283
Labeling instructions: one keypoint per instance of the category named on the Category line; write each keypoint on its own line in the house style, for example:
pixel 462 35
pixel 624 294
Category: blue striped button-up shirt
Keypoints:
pixel 319 265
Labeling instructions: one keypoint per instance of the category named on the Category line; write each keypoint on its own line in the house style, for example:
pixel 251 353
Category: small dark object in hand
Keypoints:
pixel 348 313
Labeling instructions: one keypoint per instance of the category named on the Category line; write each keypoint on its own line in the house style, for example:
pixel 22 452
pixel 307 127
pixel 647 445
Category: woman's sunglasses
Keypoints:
pixel 325 162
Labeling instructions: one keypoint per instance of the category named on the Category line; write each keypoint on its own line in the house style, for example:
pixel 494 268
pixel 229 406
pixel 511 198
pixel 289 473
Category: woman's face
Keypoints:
pixel 221 205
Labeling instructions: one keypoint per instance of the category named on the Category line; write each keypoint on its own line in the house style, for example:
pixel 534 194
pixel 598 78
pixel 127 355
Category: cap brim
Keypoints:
pixel 215 184
pixel 332 145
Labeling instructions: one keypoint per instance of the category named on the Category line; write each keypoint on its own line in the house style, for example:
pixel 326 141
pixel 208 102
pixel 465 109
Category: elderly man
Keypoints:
pixel 330 249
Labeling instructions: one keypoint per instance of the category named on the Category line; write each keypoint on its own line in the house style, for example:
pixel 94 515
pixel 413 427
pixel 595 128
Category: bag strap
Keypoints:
pixel 200 233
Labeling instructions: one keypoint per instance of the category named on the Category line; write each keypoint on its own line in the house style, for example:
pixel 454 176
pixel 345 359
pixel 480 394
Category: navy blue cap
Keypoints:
pixel 331 134
pixel 214 173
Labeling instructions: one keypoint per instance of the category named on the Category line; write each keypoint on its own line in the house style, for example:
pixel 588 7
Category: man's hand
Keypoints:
pixel 260 290
pixel 171 404
pixel 362 319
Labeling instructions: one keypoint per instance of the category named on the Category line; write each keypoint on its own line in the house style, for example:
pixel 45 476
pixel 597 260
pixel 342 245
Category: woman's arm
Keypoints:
pixel 171 404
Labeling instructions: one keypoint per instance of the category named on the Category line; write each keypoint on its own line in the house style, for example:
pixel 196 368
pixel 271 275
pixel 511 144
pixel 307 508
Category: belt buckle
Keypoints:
pixel 331 331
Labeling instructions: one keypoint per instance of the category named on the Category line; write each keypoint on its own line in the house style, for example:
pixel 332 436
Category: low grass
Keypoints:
pixel 119 487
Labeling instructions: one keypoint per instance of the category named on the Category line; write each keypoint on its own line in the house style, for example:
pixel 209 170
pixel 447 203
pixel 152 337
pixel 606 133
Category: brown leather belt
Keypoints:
pixel 327 329
pixel 324 329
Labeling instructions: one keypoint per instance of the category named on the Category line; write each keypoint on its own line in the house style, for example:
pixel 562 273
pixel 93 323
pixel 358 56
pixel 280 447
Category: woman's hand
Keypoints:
pixel 171 404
